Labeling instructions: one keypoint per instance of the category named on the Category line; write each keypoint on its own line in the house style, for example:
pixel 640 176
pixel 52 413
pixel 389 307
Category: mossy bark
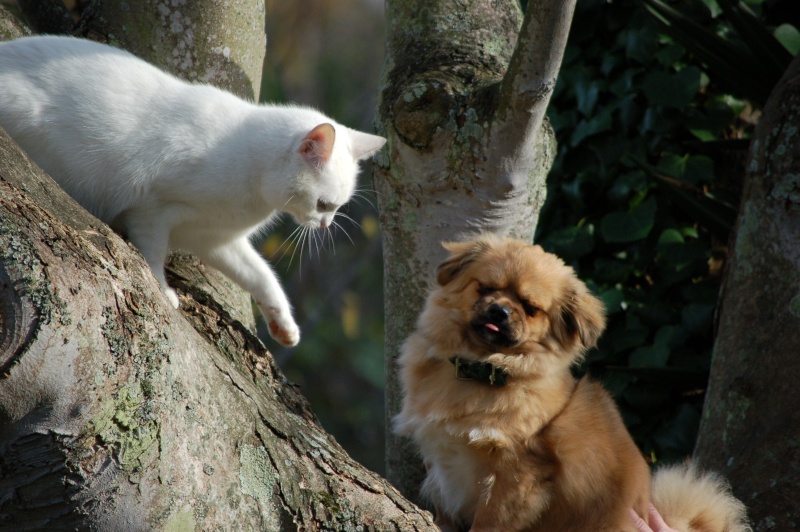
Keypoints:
pixel 118 412
pixel 750 422
pixel 10 26
pixel 468 149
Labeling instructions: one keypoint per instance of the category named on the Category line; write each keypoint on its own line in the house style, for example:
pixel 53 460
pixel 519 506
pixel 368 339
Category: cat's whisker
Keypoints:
pixel 331 239
pixel 360 195
pixel 310 235
pixel 285 245
pixel 334 223
pixel 346 217
pixel 316 244
pixel 298 244
pixel 295 237
pixel 332 236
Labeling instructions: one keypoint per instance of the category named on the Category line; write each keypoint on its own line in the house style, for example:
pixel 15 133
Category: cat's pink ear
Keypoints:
pixel 317 146
pixel 365 145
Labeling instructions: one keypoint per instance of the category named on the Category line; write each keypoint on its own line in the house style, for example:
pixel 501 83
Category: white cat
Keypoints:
pixel 175 165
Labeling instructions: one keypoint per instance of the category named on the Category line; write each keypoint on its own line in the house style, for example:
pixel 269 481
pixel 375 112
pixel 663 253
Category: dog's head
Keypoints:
pixel 511 297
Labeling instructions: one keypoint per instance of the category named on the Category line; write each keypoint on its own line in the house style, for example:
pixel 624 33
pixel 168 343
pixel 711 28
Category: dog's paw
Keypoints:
pixel 284 331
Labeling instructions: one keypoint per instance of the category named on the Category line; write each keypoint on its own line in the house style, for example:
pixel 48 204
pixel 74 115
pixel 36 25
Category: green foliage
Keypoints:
pixel 749 63
pixel 642 197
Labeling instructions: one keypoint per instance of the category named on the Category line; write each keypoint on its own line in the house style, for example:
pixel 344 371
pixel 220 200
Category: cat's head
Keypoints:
pixel 329 156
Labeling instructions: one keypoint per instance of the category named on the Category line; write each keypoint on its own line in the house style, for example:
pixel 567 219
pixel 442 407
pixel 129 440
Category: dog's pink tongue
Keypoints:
pixel 492 327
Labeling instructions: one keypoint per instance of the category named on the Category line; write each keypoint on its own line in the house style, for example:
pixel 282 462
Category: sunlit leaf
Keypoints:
pixel 670 236
pixel 789 37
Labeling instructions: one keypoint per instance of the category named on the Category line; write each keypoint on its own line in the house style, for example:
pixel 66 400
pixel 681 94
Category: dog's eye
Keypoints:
pixel 529 309
pixel 484 290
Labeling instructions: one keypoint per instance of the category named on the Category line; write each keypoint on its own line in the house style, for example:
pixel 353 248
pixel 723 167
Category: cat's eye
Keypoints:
pixel 324 206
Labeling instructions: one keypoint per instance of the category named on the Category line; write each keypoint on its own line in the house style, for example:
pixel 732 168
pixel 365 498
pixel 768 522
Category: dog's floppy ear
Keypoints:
pixel 581 318
pixel 461 255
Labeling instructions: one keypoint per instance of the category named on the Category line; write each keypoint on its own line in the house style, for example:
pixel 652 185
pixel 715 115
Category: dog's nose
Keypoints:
pixel 498 313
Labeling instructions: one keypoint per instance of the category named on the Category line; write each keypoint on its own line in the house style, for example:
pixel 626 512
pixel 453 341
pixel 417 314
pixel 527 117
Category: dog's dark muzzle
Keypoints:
pixel 494 326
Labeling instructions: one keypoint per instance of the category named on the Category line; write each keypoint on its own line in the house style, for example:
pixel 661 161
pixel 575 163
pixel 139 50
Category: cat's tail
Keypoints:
pixel 693 501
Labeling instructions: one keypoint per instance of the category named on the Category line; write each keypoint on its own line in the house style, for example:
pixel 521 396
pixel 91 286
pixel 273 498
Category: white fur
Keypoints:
pixel 171 164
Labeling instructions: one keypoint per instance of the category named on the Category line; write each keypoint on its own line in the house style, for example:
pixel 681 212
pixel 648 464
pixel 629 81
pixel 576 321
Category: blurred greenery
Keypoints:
pixel 652 142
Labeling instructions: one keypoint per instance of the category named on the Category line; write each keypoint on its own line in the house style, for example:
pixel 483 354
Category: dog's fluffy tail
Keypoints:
pixel 690 500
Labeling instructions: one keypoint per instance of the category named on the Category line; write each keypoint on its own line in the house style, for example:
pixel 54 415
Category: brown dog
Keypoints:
pixel 510 439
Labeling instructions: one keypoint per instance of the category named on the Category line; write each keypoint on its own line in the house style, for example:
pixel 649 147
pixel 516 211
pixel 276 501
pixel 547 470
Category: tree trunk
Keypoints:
pixel 750 423
pixel 118 412
pixel 462 105
pixel 221 43
pixel 10 26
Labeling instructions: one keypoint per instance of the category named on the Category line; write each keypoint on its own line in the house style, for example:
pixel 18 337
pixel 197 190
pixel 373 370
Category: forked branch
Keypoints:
pixel 531 76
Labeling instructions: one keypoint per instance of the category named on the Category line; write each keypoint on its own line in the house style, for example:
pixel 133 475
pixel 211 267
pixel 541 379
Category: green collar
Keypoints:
pixel 468 370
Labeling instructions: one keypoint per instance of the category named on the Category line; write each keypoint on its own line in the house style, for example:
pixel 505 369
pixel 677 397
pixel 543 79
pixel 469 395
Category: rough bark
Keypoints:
pixel 10 26
pixel 221 43
pixel 750 422
pixel 118 412
pixel 462 105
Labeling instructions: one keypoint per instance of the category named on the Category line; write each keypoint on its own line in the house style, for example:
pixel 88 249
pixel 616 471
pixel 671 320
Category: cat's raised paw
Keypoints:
pixel 286 334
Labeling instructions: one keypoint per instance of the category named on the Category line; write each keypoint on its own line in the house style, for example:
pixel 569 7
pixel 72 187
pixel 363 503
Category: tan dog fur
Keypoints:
pixel 544 452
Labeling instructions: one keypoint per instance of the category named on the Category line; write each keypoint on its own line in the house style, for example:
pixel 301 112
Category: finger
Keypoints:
pixel 656 521
pixel 638 522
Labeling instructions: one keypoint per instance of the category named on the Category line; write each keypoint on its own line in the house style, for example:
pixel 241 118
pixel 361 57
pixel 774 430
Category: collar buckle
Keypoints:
pixel 485 372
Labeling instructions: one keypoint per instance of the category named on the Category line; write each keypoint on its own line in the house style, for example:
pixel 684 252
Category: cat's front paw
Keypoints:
pixel 285 331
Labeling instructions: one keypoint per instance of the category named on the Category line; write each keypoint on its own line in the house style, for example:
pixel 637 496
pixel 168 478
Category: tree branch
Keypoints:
pixel 11 27
pixel 531 76
pixel 145 416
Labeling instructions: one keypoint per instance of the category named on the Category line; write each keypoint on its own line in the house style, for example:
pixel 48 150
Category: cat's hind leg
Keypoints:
pixel 149 232
pixel 241 263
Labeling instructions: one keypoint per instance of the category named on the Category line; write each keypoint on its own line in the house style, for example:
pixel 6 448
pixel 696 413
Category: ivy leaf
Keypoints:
pixel 629 226
pixel 672 90
pixel 596 124
pixel 571 242
pixel 650 356
pixel 789 37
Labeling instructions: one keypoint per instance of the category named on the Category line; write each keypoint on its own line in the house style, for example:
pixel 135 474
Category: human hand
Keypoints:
pixel 657 523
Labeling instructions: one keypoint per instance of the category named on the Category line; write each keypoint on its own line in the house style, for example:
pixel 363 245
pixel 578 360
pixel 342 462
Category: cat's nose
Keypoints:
pixel 323 224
